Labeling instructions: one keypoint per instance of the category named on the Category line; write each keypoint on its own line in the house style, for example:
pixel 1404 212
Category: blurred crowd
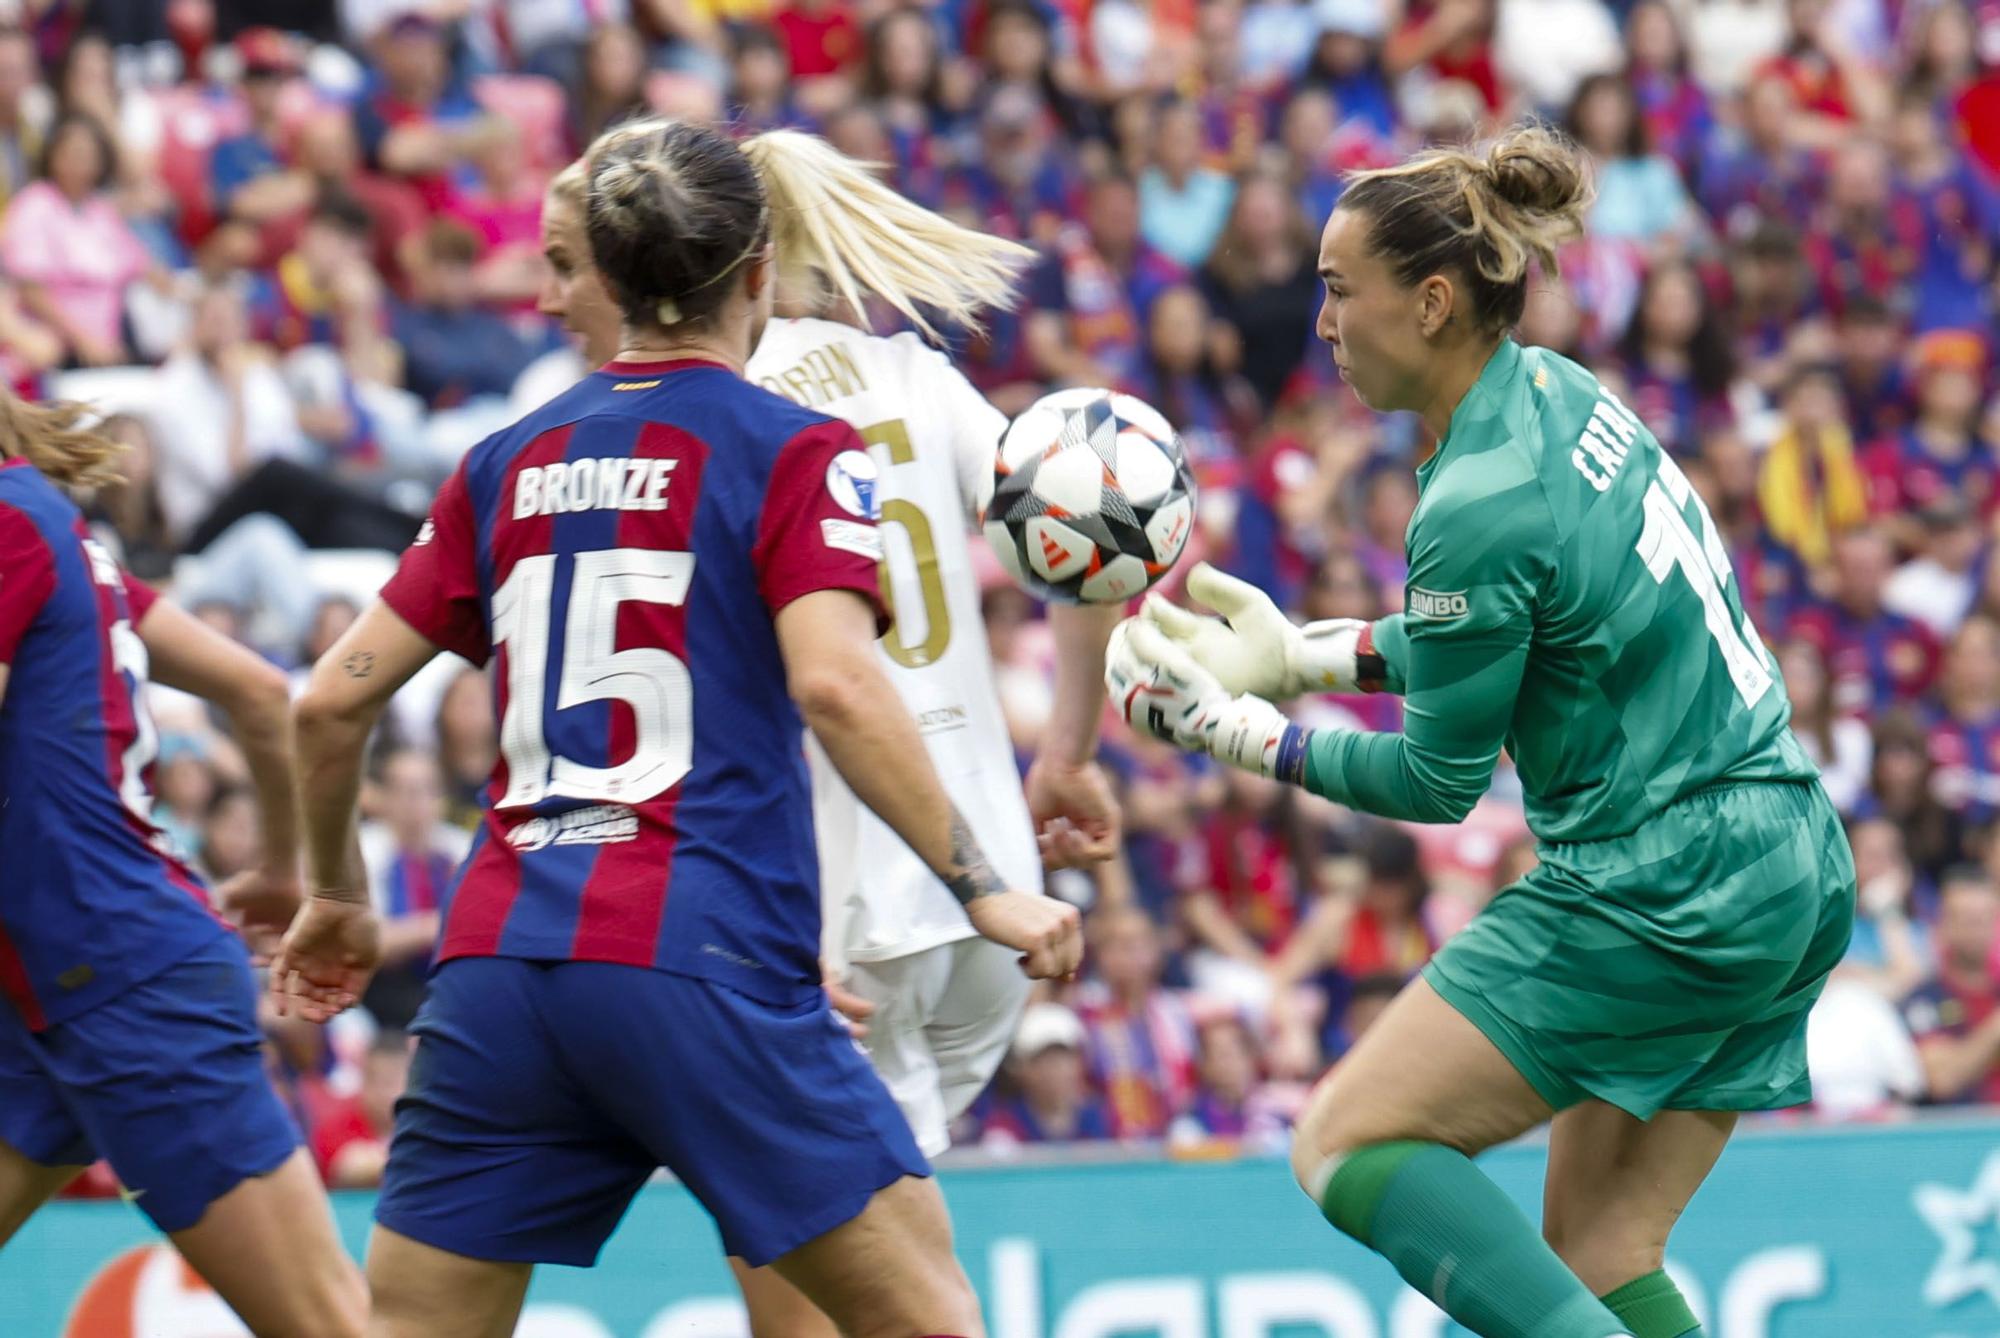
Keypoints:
pixel 292 250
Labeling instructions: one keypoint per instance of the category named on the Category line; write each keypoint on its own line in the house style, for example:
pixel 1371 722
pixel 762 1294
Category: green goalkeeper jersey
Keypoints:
pixel 1570 600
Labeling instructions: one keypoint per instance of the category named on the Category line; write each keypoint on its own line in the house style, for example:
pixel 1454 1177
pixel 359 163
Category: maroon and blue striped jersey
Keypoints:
pixel 619 556
pixel 91 900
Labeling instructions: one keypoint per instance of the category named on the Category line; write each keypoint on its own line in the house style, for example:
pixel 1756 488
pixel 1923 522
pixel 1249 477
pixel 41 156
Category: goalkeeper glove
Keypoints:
pixel 1259 651
pixel 1162 692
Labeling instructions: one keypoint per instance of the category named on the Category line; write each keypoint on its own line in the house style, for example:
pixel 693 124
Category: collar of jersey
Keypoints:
pixel 628 367
pixel 1499 370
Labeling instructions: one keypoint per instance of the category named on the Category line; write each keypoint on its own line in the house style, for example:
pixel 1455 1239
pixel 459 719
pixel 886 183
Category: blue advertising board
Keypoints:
pixel 1850 1232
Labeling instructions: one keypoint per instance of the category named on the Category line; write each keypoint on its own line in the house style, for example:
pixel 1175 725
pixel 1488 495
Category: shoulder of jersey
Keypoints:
pixel 30 492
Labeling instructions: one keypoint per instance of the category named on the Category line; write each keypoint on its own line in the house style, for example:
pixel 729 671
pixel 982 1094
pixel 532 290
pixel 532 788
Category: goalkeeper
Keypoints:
pixel 1568 599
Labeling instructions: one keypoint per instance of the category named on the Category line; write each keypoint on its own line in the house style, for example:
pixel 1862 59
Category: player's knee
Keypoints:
pixel 1605 1253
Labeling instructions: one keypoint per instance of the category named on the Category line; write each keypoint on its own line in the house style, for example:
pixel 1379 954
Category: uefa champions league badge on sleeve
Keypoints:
pixel 851 479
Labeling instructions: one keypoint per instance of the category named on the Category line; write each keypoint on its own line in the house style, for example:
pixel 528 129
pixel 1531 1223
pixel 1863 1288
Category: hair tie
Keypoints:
pixel 669 311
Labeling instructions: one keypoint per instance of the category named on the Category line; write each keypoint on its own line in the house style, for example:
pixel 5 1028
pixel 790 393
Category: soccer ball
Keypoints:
pixel 1093 500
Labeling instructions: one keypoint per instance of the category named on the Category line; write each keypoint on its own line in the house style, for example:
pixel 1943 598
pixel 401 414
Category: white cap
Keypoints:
pixel 1361 18
pixel 1045 1025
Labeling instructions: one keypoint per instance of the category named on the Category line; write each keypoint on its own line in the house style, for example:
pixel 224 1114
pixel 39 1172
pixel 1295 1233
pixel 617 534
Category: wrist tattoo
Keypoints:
pixel 360 664
pixel 972 875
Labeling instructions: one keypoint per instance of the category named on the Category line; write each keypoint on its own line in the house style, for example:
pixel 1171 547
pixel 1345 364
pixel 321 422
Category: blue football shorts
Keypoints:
pixel 166 1082
pixel 544 1094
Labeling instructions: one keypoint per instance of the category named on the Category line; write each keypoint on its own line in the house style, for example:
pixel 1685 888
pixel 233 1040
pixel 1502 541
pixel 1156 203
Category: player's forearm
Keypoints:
pixel 1081 631
pixel 330 746
pixel 263 728
pixel 1382 774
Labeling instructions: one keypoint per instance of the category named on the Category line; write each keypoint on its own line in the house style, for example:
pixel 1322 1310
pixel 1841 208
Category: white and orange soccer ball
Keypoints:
pixel 1093 500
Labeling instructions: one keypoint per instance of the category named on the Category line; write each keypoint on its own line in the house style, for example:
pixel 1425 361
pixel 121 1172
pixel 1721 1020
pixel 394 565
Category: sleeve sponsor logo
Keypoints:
pixel 852 536
pixel 1433 606
pixel 851 481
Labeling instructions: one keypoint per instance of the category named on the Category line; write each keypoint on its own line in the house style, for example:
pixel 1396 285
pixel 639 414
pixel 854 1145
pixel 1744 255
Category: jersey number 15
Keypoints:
pixel 652 681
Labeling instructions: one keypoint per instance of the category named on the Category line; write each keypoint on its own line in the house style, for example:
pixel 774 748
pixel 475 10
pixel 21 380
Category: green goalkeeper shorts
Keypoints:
pixel 1672 968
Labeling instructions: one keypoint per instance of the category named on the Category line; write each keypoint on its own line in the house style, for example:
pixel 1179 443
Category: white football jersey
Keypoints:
pixel 931 440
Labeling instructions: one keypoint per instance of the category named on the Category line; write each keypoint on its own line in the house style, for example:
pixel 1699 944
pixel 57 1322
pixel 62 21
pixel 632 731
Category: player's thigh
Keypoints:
pixel 889 1272
pixel 498 1153
pixel 167 1082
pixel 421 1291
pixel 42 1148
pixel 776 1308
pixel 905 992
pixel 1422 1072
pixel 25 1185
pixel 270 1249
pixel 974 1022
pixel 1616 1185
pixel 768 1112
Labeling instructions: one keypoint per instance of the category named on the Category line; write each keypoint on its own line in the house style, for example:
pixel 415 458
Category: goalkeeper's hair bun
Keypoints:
pixel 1483 219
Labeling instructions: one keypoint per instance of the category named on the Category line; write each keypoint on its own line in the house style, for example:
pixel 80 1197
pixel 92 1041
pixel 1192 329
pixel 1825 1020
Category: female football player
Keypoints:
pixel 129 1030
pixel 1568 599
pixel 673 571
pixel 940 1002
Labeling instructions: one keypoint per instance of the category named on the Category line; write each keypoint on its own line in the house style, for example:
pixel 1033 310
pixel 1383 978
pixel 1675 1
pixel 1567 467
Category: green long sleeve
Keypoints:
pixel 1476 566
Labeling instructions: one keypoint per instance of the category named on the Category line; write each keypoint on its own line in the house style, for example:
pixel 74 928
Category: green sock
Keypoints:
pixel 1455 1237
pixel 1652 1307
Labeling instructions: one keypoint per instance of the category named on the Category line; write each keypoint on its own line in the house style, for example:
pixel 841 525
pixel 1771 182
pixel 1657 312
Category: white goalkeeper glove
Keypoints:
pixel 1259 650
pixel 1162 692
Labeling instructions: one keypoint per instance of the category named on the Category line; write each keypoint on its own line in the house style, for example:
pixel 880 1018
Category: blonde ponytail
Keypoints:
pixel 841 230
pixel 52 438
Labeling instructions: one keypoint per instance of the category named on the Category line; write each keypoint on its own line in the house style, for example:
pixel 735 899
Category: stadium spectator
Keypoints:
pixel 1090 298
pixel 1679 368
pixel 1811 488
pixel 611 83
pixel 1347 63
pixel 1377 925
pixel 1890 952
pixel 1182 205
pixel 453 348
pixel 1140 1038
pixel 1640 195
pixel 1839 744
pixel 1245 891
pixel 1872 377
pixel 1955 1015
pixel 1676 109
pixel 222 409
pixel 20 138
pixel 1965 732
pixel 229 842
pixel 1863 1063
pixel 1877 658
pixel 1938 585
pixel 417 123
pixel 248 176
pixel 1230 1103
pixel 66 246
pixel 410 853
pixel 350 1139
pixel 1053 1103
pixel 466 743
pixel 1939 453
pixel 1902 788
pixel 1260 280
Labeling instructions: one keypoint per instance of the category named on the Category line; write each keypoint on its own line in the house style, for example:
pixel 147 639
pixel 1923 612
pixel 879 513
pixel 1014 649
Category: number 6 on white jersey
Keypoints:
pixel 652 681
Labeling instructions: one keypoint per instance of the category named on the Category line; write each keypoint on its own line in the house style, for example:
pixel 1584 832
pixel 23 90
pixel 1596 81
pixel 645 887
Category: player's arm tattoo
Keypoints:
pixel 360 664
pixel 971 875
